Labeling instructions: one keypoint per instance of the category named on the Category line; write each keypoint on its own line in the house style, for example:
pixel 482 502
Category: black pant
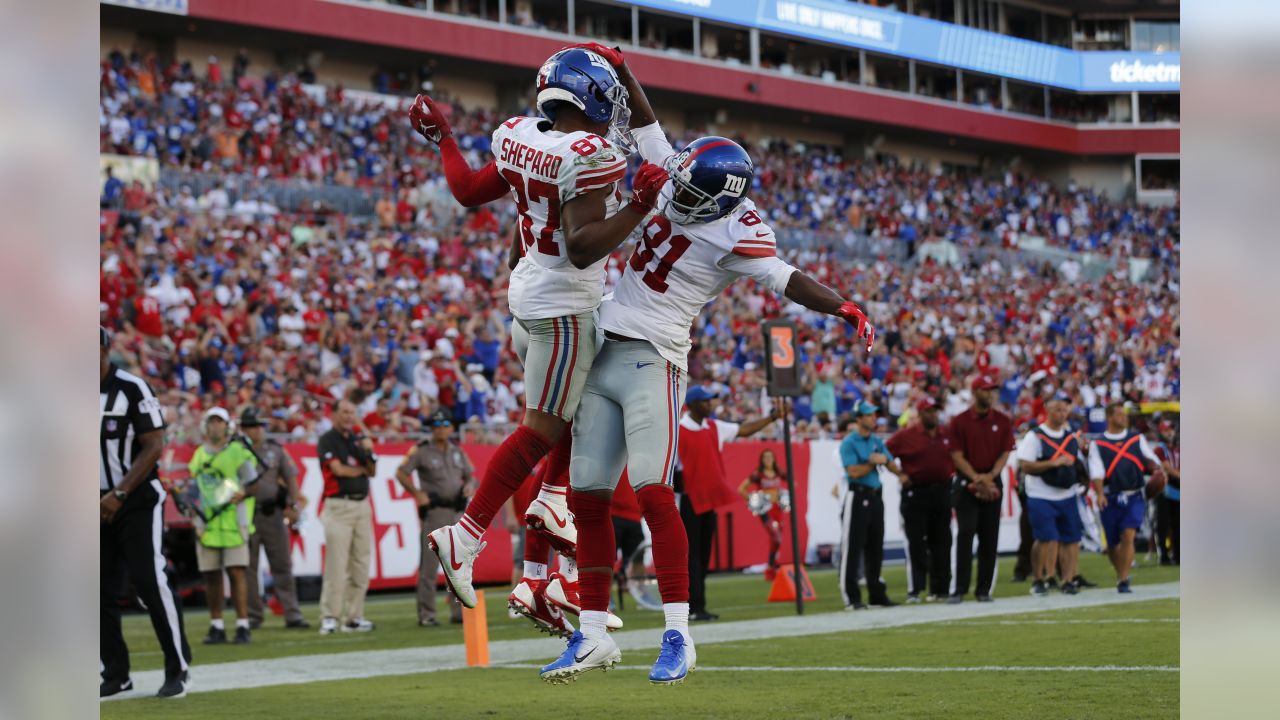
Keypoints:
pixel 1023 568
pixel 701 529
pixel 1169 528
pixel 863 539
pixel 926 520
pixel 130 550
pixel 974 517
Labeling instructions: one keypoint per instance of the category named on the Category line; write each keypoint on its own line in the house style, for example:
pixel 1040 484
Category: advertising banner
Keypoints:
pixel 897 33
pixel 741 541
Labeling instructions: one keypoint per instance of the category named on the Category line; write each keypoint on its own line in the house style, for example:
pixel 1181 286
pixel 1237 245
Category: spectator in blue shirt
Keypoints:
pixel 111 189
pixel 862 454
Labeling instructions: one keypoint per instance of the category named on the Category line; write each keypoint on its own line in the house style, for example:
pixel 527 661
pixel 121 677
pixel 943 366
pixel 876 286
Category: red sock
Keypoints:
pixel 555 472
pixel 509 467
pixel 596 549
pixel 670 543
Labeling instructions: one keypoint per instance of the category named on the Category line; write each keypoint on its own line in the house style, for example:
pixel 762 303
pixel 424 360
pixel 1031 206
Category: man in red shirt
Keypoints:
pixel 700 480
pixel 924 451
pixel 981 441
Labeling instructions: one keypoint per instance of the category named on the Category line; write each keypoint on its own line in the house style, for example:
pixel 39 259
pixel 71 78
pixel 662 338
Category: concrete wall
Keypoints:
pixel 1113 175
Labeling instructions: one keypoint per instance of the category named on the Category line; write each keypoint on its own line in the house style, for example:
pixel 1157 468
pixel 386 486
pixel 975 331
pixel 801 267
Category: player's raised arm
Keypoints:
pixel 589 235
pixel 814 295
pixel 647 133
pixel 755 256
pixel 471 188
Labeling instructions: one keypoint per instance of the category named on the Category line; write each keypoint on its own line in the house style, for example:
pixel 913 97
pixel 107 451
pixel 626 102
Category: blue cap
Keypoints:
pixel 865 408
pixel 699 392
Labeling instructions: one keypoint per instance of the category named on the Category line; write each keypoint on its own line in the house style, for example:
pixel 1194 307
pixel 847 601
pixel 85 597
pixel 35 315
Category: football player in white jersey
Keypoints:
pixel 706 235
pixel 563 170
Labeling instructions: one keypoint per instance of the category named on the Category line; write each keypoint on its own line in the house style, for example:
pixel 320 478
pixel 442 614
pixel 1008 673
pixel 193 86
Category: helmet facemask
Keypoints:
pixel 620 122
pixel 688 204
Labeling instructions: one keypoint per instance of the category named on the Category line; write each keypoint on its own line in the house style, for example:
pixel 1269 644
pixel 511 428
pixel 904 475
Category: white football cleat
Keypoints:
pixel 564 595
pixel 550 518
pixel 527 599
pixel 457 561
pixel 582 655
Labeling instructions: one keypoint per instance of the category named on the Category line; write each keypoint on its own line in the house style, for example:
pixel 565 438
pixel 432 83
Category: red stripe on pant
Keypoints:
pixel 551 366
pixel 573 359
pixel 671 429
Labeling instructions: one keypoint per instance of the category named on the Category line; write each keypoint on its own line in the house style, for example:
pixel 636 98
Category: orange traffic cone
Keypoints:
pixel 784 585
pixel 475 632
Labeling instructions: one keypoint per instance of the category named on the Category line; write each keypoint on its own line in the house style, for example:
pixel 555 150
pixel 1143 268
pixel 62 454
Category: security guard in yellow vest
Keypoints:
pixel 222 468
pixel 446 481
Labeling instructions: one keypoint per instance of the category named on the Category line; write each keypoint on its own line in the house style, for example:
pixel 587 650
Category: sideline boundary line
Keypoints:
pixel 301 669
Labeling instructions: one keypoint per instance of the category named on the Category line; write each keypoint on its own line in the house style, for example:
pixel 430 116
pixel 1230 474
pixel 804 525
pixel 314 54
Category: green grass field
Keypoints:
pixel 891 672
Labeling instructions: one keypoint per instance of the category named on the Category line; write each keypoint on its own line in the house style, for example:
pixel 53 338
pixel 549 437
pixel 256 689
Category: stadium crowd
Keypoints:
pixel 222 298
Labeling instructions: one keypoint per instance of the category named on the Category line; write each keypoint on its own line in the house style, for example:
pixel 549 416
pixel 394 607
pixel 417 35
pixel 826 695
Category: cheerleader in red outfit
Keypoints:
pixel 766 496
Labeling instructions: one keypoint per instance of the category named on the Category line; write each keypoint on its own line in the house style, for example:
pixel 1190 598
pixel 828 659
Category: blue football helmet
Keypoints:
pixel 710 178
pixel 586 81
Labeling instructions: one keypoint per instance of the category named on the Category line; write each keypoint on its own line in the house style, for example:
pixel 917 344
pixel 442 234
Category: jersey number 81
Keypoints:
pixel 656 232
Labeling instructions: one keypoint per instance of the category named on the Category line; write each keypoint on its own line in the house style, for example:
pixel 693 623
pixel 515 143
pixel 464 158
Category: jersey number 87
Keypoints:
pixel 536 190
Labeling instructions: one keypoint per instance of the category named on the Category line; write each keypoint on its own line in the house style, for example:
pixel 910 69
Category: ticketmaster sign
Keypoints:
pixel 896 33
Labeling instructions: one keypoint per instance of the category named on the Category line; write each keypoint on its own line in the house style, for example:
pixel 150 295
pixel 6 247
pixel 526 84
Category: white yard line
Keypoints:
pixel 1110 621
pixel 871 669
pixel 408 661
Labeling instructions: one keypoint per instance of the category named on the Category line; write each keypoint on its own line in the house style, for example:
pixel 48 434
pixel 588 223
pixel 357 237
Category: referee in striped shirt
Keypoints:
pixel 131 511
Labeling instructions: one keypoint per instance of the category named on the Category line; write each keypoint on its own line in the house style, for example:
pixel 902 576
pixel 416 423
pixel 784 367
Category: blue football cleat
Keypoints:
pixel 674 661
pixel 582 655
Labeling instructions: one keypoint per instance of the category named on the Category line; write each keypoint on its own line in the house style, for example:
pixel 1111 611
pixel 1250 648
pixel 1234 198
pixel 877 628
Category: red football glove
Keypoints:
pixel 646 185
pixel 852 314
pixel 612 55
pixel 428 120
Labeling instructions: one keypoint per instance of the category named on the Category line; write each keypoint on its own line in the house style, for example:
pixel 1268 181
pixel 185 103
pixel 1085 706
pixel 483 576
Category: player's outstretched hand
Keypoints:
pixel 428 120
pixel 852 314
pixel 612 55
pixel 646 185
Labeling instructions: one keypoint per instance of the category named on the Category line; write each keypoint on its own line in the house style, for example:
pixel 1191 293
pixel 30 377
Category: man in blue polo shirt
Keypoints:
pixel 862 454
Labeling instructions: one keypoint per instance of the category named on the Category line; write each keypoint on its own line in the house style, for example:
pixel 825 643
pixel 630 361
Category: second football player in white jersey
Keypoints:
pixel 705 235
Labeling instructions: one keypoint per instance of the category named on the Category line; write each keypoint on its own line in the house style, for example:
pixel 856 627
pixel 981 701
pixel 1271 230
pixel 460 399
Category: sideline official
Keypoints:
pixel 277 508
pixel 131 511
pixel 981 441
pixel 862 454
pixel 446 480
pixel 347 462
pixel 924 451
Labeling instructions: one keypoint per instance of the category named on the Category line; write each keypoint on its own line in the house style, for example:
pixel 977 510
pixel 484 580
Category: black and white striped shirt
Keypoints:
pixel 128 409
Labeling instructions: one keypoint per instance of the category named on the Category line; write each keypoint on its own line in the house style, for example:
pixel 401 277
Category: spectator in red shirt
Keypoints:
pixel 981 441
pixel 923 449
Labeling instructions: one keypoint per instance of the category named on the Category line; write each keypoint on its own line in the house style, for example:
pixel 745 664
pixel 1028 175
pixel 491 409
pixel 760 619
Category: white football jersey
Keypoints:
pixel 546 169
pixel 675 270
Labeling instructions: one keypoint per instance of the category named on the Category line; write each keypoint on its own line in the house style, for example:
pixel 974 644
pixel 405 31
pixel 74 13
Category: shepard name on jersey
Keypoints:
pixel 545 170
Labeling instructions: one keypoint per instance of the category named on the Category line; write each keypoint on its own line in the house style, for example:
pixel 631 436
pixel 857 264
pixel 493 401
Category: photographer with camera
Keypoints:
pixel 224 470
pixel 276 510
pixel 446 481
pixel 346 462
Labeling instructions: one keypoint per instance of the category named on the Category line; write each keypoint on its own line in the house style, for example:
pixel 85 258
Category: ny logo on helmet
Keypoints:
pixel 598 61
pixel 734 185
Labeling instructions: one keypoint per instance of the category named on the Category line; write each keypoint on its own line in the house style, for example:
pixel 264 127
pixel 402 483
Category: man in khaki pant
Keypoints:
pixel 346 461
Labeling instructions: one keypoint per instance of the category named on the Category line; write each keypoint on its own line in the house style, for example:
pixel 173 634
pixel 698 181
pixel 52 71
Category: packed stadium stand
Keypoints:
pixel 274 232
